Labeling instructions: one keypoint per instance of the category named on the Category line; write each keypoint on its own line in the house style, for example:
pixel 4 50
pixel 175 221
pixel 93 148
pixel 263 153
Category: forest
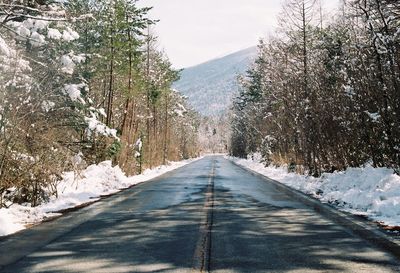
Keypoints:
pixel 82 82
pixel 324 91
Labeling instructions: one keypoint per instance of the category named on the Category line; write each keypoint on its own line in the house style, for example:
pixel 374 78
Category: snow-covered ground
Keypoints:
pixel 73 190
pixel 373 192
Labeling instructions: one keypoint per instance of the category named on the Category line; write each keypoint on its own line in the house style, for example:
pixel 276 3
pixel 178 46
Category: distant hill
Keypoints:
pixel 211 85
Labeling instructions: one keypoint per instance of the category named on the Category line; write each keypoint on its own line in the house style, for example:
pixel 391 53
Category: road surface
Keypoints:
pixel 210 215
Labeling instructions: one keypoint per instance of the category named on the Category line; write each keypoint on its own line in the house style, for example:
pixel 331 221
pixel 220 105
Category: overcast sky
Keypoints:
pixel 195 31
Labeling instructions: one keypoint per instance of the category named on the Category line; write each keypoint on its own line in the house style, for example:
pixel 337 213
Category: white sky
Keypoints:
pixel 195 31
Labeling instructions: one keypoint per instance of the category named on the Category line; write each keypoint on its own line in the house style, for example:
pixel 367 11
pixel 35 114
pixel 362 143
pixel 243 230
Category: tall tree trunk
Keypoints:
pixel 111 83
pixel 148 144
pixel 165 148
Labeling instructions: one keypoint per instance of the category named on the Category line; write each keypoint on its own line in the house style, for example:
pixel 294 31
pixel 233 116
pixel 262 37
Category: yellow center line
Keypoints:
pixel 201 259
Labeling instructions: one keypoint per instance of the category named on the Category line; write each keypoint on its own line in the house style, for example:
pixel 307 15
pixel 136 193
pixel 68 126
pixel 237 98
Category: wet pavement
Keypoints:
pixel 210 215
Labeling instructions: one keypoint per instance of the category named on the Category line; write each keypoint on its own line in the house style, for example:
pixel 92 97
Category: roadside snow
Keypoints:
pixel 76 189
pixel 9 222
pixel 373 192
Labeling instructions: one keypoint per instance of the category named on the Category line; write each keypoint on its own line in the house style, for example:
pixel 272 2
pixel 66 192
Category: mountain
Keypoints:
pixel 211 85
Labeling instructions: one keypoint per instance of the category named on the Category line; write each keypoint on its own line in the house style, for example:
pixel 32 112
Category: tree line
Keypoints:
pixel 324 95
pixel 82 82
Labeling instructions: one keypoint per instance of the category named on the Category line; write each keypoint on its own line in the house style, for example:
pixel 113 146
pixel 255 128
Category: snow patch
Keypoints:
pixel 74 91
pixel 96 126
pixel 4 49
pixel 69 35
pixel 53 33
pixel 9 222
pixel 47 105
pixel 67 64
pixel 37 39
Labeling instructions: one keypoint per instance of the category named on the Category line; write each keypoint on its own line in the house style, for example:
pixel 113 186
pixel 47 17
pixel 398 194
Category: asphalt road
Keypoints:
pixel 207 216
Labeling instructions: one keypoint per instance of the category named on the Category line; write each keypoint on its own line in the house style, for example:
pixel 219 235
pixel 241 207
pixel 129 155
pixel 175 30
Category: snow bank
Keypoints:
pixel 76 189
pixel 9 222
pixel 373 192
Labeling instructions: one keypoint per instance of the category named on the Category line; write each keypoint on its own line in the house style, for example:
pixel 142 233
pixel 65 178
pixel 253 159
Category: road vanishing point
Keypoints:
pixel 208 216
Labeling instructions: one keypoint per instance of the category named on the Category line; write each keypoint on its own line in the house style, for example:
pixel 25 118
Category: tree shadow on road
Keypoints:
pixel 247 236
